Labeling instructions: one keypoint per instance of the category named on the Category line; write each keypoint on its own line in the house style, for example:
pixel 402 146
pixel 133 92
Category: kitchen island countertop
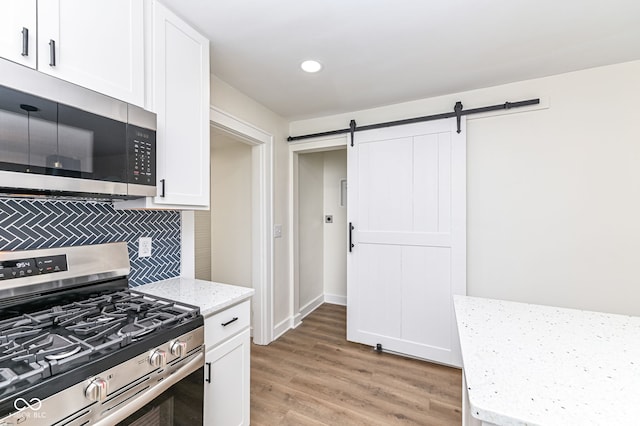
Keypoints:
pixel 539 365
pixel 210 296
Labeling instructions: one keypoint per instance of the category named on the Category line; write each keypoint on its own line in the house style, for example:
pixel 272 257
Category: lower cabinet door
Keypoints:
pixel 227 381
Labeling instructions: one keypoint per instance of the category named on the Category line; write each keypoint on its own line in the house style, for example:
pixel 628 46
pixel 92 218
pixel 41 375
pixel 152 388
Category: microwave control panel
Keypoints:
pixel 142 155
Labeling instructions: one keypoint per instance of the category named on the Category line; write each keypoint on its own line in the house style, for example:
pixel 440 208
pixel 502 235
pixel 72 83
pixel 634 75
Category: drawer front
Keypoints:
pixel 224 324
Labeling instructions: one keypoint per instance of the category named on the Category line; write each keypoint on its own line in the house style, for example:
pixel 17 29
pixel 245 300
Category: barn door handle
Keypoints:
pixel 162 191
pixel 350 237
pixel 25 41
pixel 52 53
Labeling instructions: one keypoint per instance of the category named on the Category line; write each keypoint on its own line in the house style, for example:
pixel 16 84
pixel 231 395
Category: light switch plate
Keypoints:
pixel 144 247
pixel 277 231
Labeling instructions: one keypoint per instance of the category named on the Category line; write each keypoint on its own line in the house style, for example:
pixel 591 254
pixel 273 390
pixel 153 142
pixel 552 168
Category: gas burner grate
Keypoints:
pixel 93 326
pixel 36 345
pixel 19 332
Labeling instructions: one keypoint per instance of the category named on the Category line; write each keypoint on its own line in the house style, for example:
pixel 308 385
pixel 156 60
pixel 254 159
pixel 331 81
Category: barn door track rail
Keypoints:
pixel 458 112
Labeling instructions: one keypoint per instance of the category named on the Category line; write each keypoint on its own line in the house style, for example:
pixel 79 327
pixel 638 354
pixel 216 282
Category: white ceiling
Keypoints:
pixel 380 52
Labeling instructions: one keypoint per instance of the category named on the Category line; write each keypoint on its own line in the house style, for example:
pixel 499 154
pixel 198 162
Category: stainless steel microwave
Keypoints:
pixel 106 149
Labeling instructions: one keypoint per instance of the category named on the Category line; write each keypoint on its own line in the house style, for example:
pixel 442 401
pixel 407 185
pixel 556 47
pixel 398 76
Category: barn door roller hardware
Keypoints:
pixel 458 112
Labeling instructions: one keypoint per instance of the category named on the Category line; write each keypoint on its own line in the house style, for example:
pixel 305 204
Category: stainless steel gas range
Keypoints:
pixel 78 347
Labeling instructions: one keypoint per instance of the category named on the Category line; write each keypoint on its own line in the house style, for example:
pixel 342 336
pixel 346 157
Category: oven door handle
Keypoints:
pixel 148 396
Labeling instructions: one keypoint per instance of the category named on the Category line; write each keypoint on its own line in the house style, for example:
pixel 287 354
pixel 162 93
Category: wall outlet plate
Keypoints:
pixel 144 247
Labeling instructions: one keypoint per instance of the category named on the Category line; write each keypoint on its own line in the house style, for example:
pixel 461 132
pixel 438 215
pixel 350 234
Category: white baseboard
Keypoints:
pixel 282 327
pixel 297 320
pixel 311 306
pixel 335 299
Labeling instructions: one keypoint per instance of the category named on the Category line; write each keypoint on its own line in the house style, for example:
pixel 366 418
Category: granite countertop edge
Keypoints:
pixel 211 297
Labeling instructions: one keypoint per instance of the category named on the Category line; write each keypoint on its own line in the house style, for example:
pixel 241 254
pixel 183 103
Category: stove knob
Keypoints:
pixel 178 348
pixel 97 389
pixel 158 358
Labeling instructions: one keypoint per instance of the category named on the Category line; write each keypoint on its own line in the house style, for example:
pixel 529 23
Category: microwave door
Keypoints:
pixel 74 153
pixel 27 131
pixel 91 145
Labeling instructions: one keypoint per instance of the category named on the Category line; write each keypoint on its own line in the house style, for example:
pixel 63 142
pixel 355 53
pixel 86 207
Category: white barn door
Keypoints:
pixel 407 205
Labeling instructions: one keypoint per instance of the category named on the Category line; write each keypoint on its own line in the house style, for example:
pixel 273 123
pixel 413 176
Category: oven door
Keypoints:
pixel 181 404
pixel 177 401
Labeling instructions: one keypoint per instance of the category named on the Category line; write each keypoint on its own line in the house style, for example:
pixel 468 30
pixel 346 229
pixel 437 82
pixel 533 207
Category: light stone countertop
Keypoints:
pixel 211 297
pixel 539 365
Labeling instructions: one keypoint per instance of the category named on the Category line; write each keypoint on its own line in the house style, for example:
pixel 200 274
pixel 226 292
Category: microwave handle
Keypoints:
pixel 162 188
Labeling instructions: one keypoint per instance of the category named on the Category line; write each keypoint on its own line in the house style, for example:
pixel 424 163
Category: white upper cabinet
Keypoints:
pixel 181 101
pixel 95 44
pixel 18 31
pixel 178 73
pixel 136 51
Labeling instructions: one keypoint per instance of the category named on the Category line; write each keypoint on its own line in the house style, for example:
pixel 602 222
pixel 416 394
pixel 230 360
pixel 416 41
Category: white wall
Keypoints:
pixel 232 101
pixel 335 234
pixel 202 244
pixel 553 195
pixel 230 210
pixel 310 229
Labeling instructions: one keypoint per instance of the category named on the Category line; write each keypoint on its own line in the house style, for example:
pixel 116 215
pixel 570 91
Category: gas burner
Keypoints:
pixel 47 347
pixel 65 347
pixel 140 328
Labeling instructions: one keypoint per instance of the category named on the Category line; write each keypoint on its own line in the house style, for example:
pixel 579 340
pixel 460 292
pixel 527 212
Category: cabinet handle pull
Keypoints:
pixel 208 379
pixel 162 188
pixel 350 237
pixel 52 53
pixel 224 324
pixel 25 41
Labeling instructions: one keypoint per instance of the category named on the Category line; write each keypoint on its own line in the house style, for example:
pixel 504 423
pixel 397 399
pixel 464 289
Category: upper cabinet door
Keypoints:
pixel 181 101
pixel 95 44
pixel 18 31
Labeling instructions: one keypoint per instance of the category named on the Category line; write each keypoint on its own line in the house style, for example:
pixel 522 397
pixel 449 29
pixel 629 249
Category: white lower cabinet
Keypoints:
pixel 227 369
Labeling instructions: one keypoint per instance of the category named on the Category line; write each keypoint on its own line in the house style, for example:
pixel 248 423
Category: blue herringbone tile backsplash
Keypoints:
pixel 28 224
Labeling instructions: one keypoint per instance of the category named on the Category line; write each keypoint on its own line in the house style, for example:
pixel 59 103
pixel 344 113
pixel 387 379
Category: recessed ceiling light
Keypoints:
pixel 311 66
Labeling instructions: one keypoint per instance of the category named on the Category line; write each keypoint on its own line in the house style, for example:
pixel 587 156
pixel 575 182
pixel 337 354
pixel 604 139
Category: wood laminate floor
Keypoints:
pixel 313 376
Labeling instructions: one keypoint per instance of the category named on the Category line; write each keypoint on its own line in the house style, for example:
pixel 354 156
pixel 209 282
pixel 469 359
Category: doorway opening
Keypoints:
pixel 319 225
pixel 231 197
pixel 233 241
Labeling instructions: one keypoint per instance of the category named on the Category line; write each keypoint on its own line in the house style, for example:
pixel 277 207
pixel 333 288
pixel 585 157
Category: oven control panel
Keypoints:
pixel 19 268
